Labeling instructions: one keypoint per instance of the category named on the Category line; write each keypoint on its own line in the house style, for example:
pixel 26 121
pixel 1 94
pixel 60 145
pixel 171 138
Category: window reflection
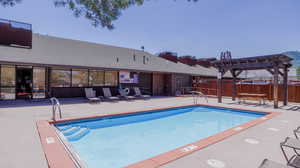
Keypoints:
pixel 111 78
pixel 60 78
pixel 8 82
pixel 38 90
pixel 79 78
pixel 8 75
pixel 96 78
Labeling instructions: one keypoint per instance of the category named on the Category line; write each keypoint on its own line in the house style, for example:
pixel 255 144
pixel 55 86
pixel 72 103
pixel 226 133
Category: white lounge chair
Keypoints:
pixel 107 94
pixel 271 164
pixel 123 94
pixel 138 93
pixel 90 94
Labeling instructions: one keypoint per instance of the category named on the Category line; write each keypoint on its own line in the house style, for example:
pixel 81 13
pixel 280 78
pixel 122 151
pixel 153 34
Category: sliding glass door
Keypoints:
pixel 39 83
pixel 7 82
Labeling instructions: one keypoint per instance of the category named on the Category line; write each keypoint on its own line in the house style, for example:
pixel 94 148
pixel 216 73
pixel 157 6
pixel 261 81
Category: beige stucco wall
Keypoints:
pixel 59 51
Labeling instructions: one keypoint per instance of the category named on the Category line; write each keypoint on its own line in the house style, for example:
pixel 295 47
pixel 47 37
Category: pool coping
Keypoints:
pixel 57 156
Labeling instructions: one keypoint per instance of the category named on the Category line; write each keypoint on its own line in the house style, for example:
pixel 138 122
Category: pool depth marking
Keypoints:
pixel 50 140
pixel 252 141
pixel 55 156
pixel 215 163
pixel 238 128
pixel 273 129
pixel 189 148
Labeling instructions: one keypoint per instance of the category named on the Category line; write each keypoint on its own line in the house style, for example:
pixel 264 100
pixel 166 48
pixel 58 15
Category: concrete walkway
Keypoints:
pixel 20 145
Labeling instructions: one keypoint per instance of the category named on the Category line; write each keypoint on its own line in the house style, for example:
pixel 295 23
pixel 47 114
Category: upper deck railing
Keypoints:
pixel 15 34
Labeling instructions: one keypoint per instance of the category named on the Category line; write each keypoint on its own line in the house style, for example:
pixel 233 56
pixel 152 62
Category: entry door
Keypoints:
pixel 23 82
pixel 158 84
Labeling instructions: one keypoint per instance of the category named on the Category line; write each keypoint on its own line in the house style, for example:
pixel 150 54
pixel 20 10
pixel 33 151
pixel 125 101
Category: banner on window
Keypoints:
pixel 128 77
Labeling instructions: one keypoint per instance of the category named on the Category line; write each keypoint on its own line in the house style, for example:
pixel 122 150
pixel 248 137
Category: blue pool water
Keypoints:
pixel 113 142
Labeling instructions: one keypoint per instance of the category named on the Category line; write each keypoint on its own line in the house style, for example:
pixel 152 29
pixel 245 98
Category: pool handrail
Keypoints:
pixel 55 106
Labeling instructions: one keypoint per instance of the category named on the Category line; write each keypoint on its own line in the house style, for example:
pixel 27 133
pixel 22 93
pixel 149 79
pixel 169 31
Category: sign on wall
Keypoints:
pixel 128 77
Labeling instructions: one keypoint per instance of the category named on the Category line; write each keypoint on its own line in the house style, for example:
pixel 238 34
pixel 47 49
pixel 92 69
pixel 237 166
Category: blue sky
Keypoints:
pixel 203 29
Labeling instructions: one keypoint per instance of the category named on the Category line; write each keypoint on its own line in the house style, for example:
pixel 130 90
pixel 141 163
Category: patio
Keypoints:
pixel 20 145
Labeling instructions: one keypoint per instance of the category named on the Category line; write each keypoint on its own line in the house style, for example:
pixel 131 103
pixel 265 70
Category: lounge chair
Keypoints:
pixel 90 94
pixel 123 94
pixel 107 94
pixel 289 144
pixel 271 164
pixel 297 132
pixel 139 94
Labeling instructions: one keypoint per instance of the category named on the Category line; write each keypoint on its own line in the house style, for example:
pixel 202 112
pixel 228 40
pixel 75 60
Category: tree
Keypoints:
pixel 99 12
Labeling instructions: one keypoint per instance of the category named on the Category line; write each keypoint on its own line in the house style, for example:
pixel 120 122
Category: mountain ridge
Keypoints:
pixel 295 55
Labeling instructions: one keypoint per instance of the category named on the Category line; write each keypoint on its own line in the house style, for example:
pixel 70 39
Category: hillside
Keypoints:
pixel 296 56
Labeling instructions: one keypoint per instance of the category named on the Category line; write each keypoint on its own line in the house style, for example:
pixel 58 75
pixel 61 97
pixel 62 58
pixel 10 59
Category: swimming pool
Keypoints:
pixel 118 141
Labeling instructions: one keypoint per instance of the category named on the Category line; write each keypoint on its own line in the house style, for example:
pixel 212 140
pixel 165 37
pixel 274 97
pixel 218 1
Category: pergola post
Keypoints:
pixel 272 63
pixel 233 85
pixel 219 86
pixel 285 85
pixel 275 89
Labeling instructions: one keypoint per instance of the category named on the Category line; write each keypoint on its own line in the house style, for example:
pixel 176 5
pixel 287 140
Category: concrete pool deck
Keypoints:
pixel 20 145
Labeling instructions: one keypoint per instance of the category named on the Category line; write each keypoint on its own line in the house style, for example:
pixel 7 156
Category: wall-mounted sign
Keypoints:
pixel 128 77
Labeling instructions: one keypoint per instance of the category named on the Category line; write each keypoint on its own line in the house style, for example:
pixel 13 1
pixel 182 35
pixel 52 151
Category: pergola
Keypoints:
pixel 277 64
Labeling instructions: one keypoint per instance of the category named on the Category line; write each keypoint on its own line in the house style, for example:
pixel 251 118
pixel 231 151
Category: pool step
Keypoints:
pixel 70 131
pixel 63 128
pixel 78 134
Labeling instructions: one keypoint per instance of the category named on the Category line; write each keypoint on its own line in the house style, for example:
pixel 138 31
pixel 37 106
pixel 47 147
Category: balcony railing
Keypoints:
pixel 16 34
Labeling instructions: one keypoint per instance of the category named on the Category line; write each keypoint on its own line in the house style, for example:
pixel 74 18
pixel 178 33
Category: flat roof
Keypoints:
pixel 55 51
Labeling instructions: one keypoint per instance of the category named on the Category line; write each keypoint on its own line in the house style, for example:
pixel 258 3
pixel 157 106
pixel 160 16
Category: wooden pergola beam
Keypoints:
pixel 252 66
pixel 280 73
pixel 281 58
pixel 271 63
pixel 272 72
pixel 238 73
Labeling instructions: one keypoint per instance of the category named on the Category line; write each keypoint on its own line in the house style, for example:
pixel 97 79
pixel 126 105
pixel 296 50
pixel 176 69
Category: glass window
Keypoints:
pixel 8 75
pixel 111 78
pixel 8 93
pixel 79 78
pixel 60 78
pixel 38 90
pixel 96 78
